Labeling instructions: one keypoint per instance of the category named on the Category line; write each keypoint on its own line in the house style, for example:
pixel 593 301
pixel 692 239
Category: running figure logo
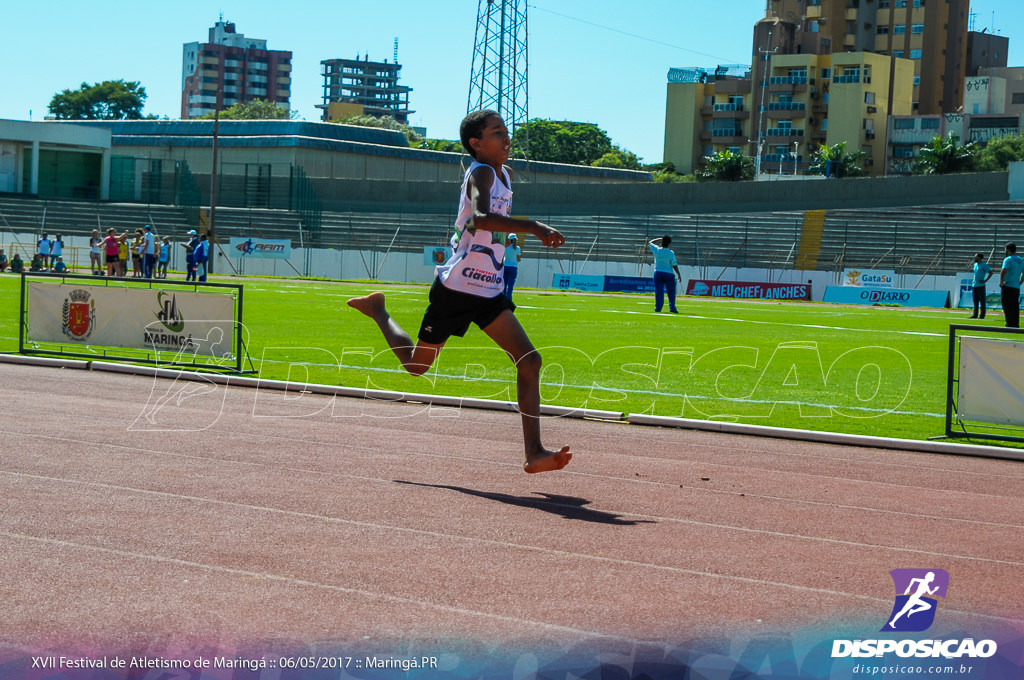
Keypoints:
pixel 914 610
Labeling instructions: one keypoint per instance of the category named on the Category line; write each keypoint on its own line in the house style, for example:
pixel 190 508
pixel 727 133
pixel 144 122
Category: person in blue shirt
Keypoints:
pixel 202 257
pixel 664 263
pixel 982 273
pixel 513 254
pixel 1009 285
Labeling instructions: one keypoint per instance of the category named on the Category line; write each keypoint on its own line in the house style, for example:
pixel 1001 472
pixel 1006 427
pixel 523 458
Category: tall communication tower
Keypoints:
pixel 499 75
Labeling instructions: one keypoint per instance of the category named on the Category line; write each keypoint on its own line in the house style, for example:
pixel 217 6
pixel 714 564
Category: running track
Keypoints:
pixel 223 523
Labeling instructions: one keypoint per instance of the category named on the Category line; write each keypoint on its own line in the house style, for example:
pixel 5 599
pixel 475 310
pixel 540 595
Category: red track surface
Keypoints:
pixel 224 522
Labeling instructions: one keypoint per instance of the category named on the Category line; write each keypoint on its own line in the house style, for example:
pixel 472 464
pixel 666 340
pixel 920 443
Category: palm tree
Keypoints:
pixel 944 155
pixel 834 161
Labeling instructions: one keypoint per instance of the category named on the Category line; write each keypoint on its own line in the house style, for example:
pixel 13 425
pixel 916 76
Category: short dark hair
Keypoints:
pixel 979 256
pixel 665 241
pixel 1011 247
pixel 473 126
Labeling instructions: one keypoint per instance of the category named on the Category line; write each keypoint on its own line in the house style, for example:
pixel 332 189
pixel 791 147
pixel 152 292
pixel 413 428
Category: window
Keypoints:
pixel 918 3
pixel 882 30
pixel 915 54
pixel 917 80
pixel 883 4
pixel 903 123
pixel 899 29
pixel 825 73
pixel 869 97
pixel 917 28
pixel 929 123
pixel 1017 98
pixel 898 54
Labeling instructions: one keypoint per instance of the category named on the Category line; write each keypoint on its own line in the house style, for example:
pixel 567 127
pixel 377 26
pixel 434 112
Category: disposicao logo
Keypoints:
pixel 914 610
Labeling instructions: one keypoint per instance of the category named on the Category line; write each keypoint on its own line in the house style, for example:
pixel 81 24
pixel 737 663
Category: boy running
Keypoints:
pixel 469 286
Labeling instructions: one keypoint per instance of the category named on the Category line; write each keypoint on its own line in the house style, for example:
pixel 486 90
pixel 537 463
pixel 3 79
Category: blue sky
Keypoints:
pixel 599 61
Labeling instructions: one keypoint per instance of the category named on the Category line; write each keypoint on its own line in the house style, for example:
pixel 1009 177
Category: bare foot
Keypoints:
pixel 547 461
pixel 371 305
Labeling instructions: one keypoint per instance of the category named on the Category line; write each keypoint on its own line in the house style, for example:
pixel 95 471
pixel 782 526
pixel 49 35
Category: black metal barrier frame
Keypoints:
pixel 108 353
pixel 953 379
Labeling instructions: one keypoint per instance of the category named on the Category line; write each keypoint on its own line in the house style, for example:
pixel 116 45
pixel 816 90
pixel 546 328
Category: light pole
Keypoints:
pixel 796 156
pixel 765 78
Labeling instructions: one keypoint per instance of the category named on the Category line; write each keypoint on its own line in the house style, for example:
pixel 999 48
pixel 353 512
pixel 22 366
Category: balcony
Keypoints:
pixel 784 132
pixel 737 132
pixel 729 107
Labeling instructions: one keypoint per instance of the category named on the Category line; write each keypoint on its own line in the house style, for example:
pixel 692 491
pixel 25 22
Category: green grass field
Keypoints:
pixel 864 370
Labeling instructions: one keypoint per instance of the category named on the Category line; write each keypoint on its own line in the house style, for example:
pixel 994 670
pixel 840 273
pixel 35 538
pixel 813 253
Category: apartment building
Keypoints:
pixel 824 72
pixel 932 34
pixel 231 69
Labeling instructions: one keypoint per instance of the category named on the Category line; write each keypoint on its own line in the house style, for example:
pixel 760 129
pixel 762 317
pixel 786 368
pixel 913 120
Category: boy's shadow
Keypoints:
pixel 569 507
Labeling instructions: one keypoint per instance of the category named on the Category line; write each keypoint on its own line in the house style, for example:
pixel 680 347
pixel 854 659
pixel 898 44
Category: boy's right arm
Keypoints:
pixel 479 189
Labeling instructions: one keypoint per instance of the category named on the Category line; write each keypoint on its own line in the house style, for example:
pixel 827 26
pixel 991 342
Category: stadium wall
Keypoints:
pixel 535 272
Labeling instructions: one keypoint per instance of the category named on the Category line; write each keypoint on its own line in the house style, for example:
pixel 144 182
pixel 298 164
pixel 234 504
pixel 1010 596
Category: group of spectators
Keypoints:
pixel 149 257
pixel 148 254
pixel 47 258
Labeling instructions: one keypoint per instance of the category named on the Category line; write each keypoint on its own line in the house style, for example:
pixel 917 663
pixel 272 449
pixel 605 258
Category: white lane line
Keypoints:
pixel 505 544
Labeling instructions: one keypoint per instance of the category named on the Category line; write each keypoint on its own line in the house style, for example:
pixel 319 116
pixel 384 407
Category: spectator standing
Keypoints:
pixel 190 255
pixel 95 253
pixel 513 254
pixel 43 250
pixel 138 248
pixel 149 251
pixel 202 257
pixel 56 249
pixel 664 263
pixel 112 250
pixel 122 254
pixel 982 273
pixel 1009 285
pixel 164 258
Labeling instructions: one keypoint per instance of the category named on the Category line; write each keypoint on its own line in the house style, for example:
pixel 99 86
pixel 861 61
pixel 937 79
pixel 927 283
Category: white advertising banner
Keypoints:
pixel 991 381
pixel 152 319
pixel 260 247
pixel 869 278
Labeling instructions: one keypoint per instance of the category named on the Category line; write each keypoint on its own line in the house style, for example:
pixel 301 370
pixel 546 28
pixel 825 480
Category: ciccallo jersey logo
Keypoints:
pixel 79 314
pixel 915 605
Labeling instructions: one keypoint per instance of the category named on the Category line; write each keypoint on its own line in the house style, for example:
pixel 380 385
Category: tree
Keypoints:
pixel 834 161
pixel 999 153
pixel 618 158
pixel 726 166
pixel 385 122
pixel 257 109
pixel 109 100
pixel 561 142
pixel 944 155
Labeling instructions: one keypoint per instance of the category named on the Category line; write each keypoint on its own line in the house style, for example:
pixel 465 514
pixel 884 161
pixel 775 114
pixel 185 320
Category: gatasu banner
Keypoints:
pixel 869 278
pixel 260 247
pixel 150 319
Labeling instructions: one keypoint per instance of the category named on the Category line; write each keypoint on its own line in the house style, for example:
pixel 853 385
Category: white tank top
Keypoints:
pixel 476 264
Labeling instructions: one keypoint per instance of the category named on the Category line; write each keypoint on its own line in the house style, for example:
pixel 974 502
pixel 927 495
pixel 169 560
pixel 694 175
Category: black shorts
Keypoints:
pixel 450 313
pixel 112 259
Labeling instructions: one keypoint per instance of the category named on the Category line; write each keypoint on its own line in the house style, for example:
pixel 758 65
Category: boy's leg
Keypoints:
pixel 510 336
pixel 659 292
pixel 416 358
pixel 671 284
